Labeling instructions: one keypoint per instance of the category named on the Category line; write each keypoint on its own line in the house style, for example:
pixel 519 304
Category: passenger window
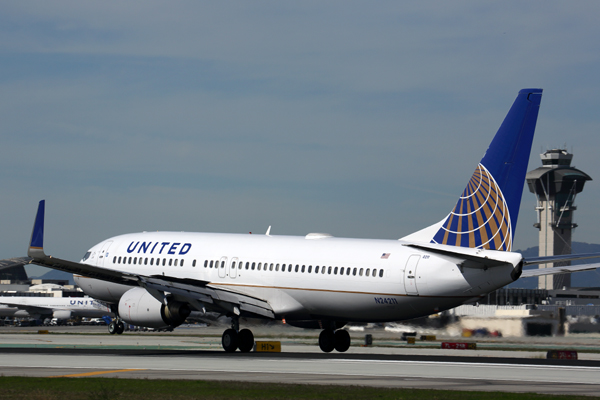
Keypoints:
pixel 205 263
pixel 222 264
pixel 297 268
pixel 341 270
pixel 323 270
pixel 119 260
pixel 271 267
pixel 367 272
pixel 360 272
pixel 194 263
pixel 335 271
pixel 381 273
pixel 170 262
pixel 309 269
pixel 211 263
pixel 347 271
pixel 277 268
pixel 253 266
pixel 329 271
pixel 374 272
pixel 303 269
pixel 240 265
pixel 114 259
pixel 317 269
pixel 290 268
pixel 247 265
pixel 146 261
pixel 181 264
pixel 354 272
pixel 134 260
pixel 175 262
pixel 258 267
pixel 233 265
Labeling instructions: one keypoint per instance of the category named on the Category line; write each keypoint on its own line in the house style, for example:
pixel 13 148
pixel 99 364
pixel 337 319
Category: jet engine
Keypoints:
pixel 62 314
pixel 138 307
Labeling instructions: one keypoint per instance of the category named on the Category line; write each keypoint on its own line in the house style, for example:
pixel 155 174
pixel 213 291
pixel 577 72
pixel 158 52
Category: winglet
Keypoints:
pixel 36 244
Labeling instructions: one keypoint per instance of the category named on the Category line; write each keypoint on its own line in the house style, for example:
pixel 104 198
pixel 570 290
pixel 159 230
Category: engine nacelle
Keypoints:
pixel 138 307
pixel 62 314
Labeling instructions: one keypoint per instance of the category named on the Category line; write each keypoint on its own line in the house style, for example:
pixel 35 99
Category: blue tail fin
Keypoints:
pixel 37 234
pixel 487 211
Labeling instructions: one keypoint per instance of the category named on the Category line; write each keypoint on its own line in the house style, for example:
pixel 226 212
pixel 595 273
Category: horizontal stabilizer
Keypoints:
pixel 473 258
pixel 528 273
pixel 564 257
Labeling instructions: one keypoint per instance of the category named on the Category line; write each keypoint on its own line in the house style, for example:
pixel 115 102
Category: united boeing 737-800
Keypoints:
pixel 155 279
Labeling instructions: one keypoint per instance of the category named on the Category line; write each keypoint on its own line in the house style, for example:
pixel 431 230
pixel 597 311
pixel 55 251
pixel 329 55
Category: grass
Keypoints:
pixel 132 389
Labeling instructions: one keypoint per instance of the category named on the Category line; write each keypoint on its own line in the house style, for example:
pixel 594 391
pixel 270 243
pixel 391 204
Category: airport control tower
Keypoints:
pixel 555 185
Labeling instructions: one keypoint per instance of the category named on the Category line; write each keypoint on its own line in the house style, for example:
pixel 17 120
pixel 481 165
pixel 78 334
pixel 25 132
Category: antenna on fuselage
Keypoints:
pixel 268 231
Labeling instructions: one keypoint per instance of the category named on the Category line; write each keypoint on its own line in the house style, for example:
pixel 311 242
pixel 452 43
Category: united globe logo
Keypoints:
pixel 480 219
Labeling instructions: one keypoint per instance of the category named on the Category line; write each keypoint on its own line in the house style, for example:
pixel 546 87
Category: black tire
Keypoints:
pixel 230 340
pixel 327 340
pixel 120 328
pixel 112 327
pixel 246 340
pixel 342 340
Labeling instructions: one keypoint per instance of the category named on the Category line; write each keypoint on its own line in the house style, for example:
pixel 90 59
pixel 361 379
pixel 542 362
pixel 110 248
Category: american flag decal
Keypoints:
pixel 385 256
pixel 481 218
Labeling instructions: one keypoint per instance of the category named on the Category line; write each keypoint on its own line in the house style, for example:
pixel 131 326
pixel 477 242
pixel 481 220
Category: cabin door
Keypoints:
pixel 104 253
pixel 410 275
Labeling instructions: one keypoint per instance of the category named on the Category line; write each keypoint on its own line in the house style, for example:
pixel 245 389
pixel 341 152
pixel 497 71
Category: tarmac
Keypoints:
pixel 195 352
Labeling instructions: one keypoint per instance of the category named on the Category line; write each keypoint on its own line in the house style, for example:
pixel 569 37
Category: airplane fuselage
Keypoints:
pixel 312 277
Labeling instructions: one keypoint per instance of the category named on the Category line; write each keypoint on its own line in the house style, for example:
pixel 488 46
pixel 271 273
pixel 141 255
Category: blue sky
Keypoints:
pixel 359 119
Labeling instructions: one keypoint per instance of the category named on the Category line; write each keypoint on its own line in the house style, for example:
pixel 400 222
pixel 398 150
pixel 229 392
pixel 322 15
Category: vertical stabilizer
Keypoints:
pixel 486 213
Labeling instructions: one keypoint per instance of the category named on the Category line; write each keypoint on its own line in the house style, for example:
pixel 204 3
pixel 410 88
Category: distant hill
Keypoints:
pixel 579 279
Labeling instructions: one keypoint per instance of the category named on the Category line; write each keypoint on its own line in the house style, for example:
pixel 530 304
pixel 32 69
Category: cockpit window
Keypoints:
pixel 86 256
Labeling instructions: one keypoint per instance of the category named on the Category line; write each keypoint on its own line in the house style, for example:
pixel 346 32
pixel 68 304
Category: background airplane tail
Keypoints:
pixel 486 213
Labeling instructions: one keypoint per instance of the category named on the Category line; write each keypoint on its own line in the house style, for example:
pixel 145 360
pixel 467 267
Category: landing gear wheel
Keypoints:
pixel 112 327
pixel 246 340
pixel 342 340
pixel 327 340
pixel 230 340
pixel 120 328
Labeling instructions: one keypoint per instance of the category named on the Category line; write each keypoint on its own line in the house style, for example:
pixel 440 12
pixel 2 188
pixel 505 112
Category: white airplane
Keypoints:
pixel 155 279
pixel 52 307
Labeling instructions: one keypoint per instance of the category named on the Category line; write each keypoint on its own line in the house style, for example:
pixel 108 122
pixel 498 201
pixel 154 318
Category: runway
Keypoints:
pixel 157 356
pixel 431 372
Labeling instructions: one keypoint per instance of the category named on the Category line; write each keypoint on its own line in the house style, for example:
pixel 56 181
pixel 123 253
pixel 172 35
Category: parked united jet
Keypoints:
pixel 156 279
pixel 52 307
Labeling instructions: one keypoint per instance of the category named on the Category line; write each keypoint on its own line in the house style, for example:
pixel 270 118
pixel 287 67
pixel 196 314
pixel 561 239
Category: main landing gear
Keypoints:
pixel 234 339
pixel 116 326
pixel 338 340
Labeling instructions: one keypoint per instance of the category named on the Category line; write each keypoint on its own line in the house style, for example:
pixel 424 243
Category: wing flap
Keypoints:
pixel 206 293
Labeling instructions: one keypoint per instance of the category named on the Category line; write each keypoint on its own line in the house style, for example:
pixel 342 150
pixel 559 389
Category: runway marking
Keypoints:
pixel 96 373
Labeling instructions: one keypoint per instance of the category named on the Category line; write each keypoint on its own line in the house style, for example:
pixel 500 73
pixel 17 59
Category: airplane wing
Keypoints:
pixel 528 273
pixel 14 262
pixel 31 310
pixel 195 292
